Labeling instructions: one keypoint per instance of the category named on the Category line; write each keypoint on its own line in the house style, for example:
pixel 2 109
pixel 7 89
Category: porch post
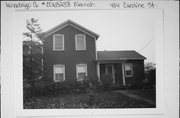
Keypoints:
pixel 124 82
pixel 98 71
pixel 113 74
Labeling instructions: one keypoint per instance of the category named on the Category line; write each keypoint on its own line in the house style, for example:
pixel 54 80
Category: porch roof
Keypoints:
pixel 119 55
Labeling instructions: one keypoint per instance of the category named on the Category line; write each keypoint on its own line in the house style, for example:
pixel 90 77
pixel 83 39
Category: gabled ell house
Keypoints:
pixel 70 54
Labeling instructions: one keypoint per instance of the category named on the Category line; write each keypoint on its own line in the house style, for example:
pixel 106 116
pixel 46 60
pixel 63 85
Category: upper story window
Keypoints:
pixel 81 71
pixel 128 70
pixel 58 42
pixel 80 42
pixel 59 73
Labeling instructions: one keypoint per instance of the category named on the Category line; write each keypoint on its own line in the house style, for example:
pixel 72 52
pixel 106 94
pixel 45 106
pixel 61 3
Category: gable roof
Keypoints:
pixel 73 24
pixel 118 55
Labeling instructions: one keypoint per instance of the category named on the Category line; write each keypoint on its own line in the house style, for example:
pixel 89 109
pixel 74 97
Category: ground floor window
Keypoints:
pixel 128 70
pixel 81 71
pixel 59 73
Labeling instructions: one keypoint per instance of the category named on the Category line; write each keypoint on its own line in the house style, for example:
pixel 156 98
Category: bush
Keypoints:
pixel 134 86
pixel 91 97
pixel 107 80
pixel 59 87
pixel 26 91
pixel 150 80
pixel 91 87
pixel 66 87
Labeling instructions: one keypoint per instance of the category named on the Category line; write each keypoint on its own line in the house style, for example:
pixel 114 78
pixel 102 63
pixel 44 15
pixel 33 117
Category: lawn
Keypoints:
pixel 149 94
pixel 105 99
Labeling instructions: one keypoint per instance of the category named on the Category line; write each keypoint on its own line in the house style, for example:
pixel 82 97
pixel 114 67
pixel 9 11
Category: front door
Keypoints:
pixel 109 68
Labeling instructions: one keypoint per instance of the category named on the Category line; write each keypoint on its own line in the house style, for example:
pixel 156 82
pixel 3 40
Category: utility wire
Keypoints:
pixel 147 43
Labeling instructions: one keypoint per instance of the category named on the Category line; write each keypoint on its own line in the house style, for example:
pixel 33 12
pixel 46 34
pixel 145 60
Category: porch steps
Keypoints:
pixel 116 87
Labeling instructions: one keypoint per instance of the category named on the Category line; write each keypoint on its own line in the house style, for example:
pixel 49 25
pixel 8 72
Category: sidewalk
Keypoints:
pixel 130 94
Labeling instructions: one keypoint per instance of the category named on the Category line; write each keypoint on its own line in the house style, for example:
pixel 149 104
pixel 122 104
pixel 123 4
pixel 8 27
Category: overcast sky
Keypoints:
pixel 118 29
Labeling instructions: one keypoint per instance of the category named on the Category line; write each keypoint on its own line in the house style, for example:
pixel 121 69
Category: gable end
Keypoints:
pixel 74 25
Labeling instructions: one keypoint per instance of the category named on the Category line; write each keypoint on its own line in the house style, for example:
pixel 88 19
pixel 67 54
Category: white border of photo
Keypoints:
pixel 166 79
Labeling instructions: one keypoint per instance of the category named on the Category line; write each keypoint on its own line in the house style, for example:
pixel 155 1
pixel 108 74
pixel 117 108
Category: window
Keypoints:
pixel 58 42
pixel 81 71
pixel 80 41
pixel 128 70
pixel 59 73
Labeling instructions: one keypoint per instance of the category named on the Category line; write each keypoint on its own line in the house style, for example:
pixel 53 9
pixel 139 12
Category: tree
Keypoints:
pixel 149 66
pixel 32 53
pixel 34 29
pixel 150 71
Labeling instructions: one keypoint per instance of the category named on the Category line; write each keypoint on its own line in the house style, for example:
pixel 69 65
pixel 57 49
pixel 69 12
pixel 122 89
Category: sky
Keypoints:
pixel 118 29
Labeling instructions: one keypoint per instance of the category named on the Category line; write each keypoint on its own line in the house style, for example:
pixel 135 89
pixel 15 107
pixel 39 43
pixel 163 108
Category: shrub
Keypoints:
pixel 150 80
pixel 37 89
pixel 26 91
pixel 107 80
pixel 134 86
pixel 91 87
pixel 43 88
pixel 94 84
pixel 91 97
pixel 81 86
pixel 66 87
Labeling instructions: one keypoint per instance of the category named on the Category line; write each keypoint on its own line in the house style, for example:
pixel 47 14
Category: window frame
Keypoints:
pixel 54 66
pixel 77 71
pixel 131 67
pixel 54 49
pixel 76 47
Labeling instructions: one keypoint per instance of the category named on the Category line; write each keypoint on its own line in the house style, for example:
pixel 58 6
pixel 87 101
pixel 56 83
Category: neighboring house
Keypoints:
pixel 70 54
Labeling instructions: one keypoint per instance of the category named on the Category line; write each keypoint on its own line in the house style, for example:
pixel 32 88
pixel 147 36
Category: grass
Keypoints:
pixel 106 99
pixel 149 94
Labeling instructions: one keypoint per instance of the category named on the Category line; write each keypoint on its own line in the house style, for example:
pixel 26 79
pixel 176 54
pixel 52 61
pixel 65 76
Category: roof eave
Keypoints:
pixel 124 59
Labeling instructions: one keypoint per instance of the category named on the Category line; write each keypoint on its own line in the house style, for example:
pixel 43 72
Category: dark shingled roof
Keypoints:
pixel 118 55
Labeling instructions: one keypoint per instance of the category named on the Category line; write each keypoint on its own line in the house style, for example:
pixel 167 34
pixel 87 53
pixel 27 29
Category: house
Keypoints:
pixel 70 54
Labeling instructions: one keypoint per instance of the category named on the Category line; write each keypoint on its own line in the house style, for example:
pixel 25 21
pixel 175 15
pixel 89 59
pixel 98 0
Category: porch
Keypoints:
pixel 115 69
pixel 125 67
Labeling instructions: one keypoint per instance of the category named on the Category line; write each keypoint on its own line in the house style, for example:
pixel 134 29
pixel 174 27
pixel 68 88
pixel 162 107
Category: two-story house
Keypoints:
pixel 70 54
